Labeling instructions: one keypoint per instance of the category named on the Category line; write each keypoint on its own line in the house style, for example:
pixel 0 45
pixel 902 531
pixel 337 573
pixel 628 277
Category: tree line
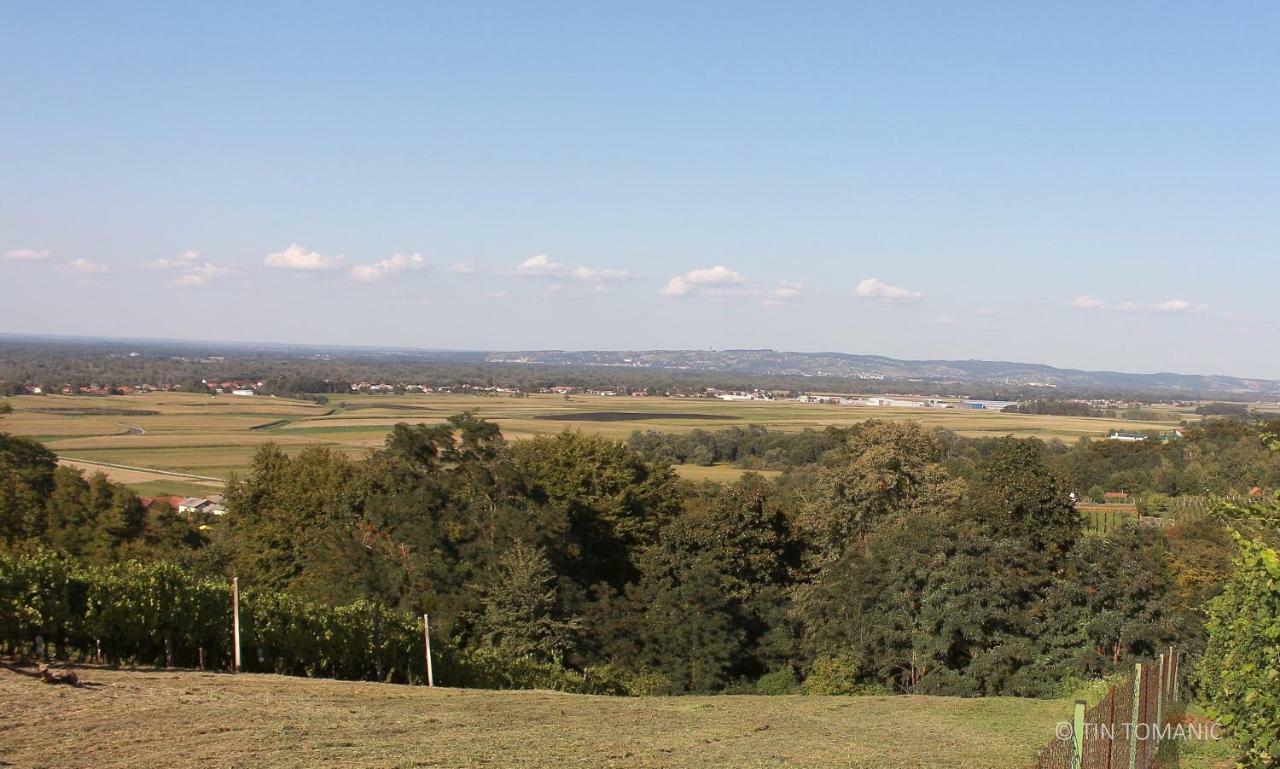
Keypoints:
pixel 1215 457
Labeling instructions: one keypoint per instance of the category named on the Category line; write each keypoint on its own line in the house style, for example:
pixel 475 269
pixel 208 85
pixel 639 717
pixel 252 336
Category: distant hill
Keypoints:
pixel 848 366
pixel 57 358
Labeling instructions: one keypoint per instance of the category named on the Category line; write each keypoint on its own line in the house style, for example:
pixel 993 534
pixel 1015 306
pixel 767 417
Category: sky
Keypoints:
pixel 1089 185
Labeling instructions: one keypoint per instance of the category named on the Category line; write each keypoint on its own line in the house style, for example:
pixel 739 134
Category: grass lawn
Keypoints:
pixel 1207 754
pixel 188 719
pixel 722 473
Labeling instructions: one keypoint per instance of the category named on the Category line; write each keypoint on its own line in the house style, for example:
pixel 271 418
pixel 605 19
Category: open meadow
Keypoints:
pixel 190 719
pixel 189 443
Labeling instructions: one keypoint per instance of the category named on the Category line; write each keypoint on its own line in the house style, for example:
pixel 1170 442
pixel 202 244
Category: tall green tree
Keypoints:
pixel 885 470
pixel 285 510
pixel 522 615
pixel 613 500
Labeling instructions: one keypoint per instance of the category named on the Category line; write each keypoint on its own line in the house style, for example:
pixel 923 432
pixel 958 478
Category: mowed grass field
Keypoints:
pixel 195 438
pixel 174 719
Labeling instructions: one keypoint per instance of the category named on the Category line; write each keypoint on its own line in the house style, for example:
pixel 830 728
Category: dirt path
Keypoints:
pixel 130 474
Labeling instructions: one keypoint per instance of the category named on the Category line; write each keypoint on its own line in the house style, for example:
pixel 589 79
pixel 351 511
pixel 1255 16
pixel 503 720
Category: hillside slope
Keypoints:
pixel 189 719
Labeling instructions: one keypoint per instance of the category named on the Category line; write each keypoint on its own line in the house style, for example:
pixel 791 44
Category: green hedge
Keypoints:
pixel 1240 672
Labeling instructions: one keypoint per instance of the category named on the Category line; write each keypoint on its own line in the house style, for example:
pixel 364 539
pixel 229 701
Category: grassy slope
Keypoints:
pixel 188 719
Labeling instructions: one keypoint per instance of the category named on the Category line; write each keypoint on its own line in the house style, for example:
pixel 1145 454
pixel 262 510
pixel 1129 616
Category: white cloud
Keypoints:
pixel 85 267
pixel 874 288
pixel 186 258
pixel 1179 305
pixel 1088 303
pixel 27 254
pixel 1169 305
pixel 590 275
pixel 785 292
pixel 199 274
pixel 708 281
pixel 677 286
pixel 542 266
pixel 373 273
pixel 194 271
pixel 462 268
pixel 295 257
pixel 720 282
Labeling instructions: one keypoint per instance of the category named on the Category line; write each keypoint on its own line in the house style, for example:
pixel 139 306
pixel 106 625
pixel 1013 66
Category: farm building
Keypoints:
pixel 203 505
pixel 1126 436
pixel 987 405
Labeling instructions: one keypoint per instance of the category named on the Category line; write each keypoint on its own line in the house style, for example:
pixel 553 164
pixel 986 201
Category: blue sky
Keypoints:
pixel 1074 184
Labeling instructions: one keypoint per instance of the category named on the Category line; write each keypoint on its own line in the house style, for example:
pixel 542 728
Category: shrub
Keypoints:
pixel 778 682
pixel 841 673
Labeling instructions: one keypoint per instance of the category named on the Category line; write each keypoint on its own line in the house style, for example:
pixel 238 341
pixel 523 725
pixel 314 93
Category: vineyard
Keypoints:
pixel 155 614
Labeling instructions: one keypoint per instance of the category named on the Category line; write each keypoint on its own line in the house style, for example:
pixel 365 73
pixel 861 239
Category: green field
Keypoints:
pixel 202 437
pixel 188 719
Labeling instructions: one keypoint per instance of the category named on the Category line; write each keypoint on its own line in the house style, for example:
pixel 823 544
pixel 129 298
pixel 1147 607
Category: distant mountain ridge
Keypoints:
pixel 851 366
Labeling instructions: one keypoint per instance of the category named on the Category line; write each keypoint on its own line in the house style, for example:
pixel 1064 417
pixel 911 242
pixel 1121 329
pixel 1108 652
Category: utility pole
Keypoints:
pixel 426 639
pixel 235 617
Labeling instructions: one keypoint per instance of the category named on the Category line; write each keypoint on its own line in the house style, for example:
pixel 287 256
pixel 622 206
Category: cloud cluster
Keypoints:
pixel 379 271
pixel 199 274
pixel 295 257
pixel 27 254
pixel 192 269
pixel 708 281
pixel 874 288
pixel 720 282
pixel 541 266
pixel 785 292
pixel 85 267
pixel 184 259
pixel 1169 305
